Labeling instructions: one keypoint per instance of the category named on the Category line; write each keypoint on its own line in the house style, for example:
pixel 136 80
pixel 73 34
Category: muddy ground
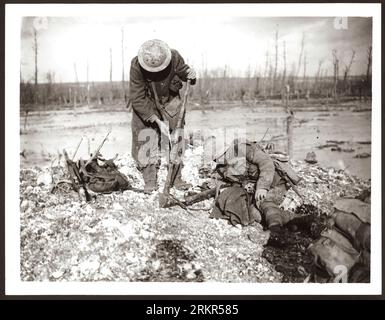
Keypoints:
pixel 339 134
pixel 124 236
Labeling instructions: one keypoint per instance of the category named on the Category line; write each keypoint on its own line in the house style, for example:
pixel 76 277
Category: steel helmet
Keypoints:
pixel 154 55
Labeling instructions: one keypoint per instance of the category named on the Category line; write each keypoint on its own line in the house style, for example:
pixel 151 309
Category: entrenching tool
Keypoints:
pixel 174 163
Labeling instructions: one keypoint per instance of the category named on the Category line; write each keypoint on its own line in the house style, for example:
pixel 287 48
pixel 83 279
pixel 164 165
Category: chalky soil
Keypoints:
pixel 124 236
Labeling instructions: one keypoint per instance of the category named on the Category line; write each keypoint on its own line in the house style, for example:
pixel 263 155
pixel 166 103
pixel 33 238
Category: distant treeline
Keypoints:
pixel 207 89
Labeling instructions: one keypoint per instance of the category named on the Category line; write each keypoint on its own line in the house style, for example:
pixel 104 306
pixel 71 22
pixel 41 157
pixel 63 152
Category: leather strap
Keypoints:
pixel 157 103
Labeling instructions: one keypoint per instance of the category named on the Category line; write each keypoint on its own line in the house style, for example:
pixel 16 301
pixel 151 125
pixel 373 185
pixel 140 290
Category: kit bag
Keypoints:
pixel 103 178
pixel 346 245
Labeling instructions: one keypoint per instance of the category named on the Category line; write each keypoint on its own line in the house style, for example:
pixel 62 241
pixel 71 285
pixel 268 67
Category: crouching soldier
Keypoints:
pixel 258 186
pixel 156 77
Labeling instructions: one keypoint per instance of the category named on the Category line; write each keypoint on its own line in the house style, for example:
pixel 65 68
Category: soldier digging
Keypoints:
pixel 156 77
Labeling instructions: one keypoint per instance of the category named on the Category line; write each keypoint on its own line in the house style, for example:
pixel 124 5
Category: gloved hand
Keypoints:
pixel 260 194
pixel 191 74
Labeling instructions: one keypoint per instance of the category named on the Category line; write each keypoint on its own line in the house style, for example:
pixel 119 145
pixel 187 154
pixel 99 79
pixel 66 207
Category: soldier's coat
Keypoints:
pixel 249 162
pixel 245 161
pixel 167 84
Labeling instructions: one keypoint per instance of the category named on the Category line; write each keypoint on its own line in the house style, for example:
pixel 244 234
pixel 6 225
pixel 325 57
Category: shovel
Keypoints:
pixel 174 164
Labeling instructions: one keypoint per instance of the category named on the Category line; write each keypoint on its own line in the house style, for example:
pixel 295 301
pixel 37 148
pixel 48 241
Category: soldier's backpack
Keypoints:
pixel 343 251
pixel 103 178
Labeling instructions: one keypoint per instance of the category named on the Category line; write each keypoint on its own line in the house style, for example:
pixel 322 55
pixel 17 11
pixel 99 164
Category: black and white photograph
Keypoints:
pixel 193 149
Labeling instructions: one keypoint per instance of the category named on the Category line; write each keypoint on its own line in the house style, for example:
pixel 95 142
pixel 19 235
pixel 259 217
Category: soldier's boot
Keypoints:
pixel 179 183
pixel 273 215
pixel 150 178
pixel 276 217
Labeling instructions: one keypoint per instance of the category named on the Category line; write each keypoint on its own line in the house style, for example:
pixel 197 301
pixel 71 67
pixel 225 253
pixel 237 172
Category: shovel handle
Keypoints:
pixel 184 102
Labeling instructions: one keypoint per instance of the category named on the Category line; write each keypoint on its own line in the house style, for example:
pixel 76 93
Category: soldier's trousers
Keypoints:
pixel 269 207
pixel 147 148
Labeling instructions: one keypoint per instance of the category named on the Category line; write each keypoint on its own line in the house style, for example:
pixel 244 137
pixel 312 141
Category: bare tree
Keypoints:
pixel 201 75
pixel 265 74
pixel 248 72
pixel 346 73
pixel 369 65
pixel 348 67
pixel 111 84
pixel 335 72
pixel 368 81
pixel 75 91
pixel 276 59
pixel 305 86
pixel 111 65
pixel 270 77
pixel 88 84
pixel 304 66
pixel 50 76
pixel 284 64
pixel 319 75
pixel 36 50
pixel 76 74
pixel 300 54
pixel 123 88
pixel 224 82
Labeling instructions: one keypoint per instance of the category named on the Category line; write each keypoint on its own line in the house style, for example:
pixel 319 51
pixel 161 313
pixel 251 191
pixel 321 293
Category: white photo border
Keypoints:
pixel 13 18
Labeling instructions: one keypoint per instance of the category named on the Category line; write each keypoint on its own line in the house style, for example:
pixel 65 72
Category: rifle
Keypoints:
pixel 204 195
pixel 76 180
pixel 195 198
pixel 283 174
pixel 96 153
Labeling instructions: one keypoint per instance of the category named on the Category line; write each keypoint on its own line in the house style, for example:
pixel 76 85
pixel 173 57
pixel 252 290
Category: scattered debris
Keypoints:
pixel 339 149
pixel 362 155
pixel 311 157
pixel 327 145
pixel 335 142
pixel 301 121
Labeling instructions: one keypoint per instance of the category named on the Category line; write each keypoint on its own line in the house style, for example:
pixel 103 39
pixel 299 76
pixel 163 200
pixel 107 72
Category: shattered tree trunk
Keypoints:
pixel 26 119
pixel 123 88
pixel 35 48
pixel 289 124
pixel 335 74
pixel 88 85
pixel 275 62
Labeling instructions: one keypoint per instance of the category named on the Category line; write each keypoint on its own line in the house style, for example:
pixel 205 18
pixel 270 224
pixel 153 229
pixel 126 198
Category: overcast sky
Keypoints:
pixel 240 43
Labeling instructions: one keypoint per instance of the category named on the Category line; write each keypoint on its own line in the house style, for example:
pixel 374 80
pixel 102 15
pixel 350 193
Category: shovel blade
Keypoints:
pixel 165 200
